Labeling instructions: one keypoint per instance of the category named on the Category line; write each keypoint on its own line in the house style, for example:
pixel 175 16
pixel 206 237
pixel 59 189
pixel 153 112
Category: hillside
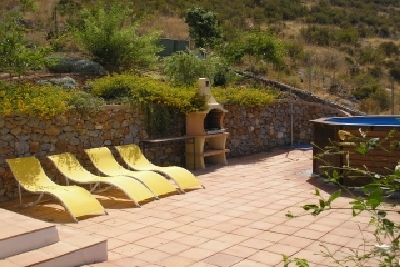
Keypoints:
pixel 336 47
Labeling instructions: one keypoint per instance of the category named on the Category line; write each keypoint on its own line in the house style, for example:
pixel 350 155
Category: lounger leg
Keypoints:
pixel 38 200
pixel 19 193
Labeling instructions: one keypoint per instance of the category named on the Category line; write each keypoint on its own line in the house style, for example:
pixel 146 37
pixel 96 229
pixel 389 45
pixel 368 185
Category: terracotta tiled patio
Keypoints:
pixel 237 220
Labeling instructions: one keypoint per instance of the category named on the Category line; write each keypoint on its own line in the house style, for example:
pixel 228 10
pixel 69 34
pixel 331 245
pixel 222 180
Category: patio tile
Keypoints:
pixel 115 222
pixel 215 245
pixel 298 222
pixel 168 224
pixel 132 236
pixel 170 235
pixel 219 218
pixel 247 231
pixel 261 225
pixel 232 238
pixel 310 234
pixel 272 237
pixel 197 253
pixel 177 261
pixel 150 230
pixel 185 219
pixel 282 249
pixel 222 260
pixel 202 264
pixel 256 243
pixel 335 239
pixel 253 216
pixel 284 229
pixel 151 242
pixel 202 214
pixel 192 240
pixel 209 233
pixel 188 229
pixel 152 256
pixel 240 251
pixel 129 250
pixel 149 220
pixel 249 263
pixel 132 226
pixel 128 262
pixel 298 242
pixel 330 221
pixel 204 223
pixel 266 257
pixel 225 227
pixel 346 232
pixel 173 248
pixel 240 221
pixel 233 212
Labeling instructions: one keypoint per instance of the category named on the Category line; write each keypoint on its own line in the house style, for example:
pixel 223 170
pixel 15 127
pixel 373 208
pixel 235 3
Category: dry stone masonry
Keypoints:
pixel 251 130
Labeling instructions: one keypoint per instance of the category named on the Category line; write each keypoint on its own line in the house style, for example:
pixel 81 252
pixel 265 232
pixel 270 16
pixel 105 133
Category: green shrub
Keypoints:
pixel 185 68
pixel 247 97
pixel 44 101
pixel 41 101
pixel 144 91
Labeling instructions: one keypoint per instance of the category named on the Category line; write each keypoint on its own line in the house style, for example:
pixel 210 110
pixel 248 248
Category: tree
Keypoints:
pixel 257 44
pixel 17 53
pixel 109 35
pixel 204 27
pixel 185 68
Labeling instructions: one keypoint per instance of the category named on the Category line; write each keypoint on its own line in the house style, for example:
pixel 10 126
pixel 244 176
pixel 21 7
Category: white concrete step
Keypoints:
pixel 20 234
pixel 61 254
pixel 29 242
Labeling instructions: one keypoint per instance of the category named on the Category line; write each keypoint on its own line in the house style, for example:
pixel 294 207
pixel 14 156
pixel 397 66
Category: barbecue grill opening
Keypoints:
pixel 214 120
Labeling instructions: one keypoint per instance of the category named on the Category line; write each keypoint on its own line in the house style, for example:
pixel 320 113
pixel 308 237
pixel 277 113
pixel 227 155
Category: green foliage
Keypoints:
pixel 17 54
pixel 142 91
pixel 258 44
pixel 373 98
pixel 365 91
pixel 389 48
pixel 372 201
pixel 109 35
pixel 248 97
pixel 203 27
pixel 395 73
pixel 43 101
pixel 297 261
pixel 185 68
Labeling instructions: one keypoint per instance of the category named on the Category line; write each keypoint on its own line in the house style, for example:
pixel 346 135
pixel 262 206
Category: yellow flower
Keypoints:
pixel 343 134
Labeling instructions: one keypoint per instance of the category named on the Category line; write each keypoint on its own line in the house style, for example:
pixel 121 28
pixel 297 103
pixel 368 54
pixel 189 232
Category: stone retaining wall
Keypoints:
pixel 251 130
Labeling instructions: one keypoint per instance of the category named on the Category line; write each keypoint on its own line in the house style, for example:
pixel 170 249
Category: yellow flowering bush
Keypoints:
pixel 34 100
pixel 44 101
pixel 184 98
pixel 144 90
pixel 248 97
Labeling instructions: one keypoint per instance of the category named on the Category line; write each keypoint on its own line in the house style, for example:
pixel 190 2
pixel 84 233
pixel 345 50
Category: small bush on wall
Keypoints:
pixel 44 101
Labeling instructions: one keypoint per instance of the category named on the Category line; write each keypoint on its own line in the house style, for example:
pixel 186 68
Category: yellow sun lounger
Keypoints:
pixel 70 167
pixel 76 200
pixel 105 162
pixel 134 158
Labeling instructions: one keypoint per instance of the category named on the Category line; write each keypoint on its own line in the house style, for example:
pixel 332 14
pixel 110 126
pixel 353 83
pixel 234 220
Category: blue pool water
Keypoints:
pixel 366 121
